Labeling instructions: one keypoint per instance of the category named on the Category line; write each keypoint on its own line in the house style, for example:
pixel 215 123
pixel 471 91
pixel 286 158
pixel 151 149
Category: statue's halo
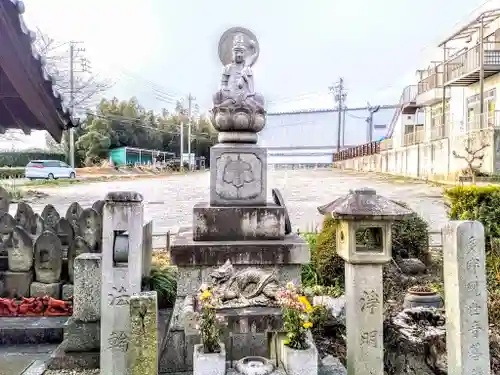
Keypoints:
pixel 226 43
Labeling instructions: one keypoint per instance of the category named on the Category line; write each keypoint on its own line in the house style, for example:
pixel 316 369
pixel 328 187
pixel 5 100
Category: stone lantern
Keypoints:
pixel 364 242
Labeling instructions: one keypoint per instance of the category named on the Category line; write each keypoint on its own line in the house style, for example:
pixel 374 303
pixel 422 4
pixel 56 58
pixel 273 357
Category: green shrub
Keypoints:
pixel 412 235
pixel 163 280
pixel 329 266
pixel 482 203
pixel 309 277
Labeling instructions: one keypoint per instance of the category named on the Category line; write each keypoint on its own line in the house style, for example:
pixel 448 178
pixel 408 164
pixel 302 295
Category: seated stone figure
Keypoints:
pixel 237 107
pixel 245 288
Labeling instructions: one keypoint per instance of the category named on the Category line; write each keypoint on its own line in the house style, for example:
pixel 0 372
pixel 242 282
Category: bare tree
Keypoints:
pixel 474 155
pixel 66 62
pixel 57 59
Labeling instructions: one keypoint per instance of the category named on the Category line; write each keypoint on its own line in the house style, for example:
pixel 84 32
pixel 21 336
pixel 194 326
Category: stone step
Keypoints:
pixel 31 330
pixel 24 359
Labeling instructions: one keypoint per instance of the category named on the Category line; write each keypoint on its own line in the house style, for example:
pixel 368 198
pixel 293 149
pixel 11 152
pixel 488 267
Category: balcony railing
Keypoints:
pixel 414 138
pixel 361 150
pixel 409 94
pixel 463 70
pixel 433 81
pixel 439 132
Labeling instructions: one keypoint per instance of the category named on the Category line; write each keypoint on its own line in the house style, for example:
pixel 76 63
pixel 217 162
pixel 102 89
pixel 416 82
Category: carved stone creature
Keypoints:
pixel 245 288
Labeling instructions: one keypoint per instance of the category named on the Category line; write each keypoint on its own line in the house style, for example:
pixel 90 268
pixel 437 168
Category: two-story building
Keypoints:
pixel 451 112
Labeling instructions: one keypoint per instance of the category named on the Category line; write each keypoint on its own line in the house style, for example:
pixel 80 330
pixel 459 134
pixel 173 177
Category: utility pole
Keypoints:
pixel 339 94
pixel 72 57
pixel 190 121
pixel 369 121
pixel 181 167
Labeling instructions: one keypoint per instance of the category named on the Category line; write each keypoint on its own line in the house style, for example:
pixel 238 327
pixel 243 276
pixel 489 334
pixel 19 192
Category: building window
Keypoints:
pixel 473 109
pixel 437 114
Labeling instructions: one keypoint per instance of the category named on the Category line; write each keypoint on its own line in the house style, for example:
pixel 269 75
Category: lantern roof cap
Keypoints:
pixel 365 204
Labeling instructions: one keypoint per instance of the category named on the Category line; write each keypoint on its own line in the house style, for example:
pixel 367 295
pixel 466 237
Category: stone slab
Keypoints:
pixel 67 292
pixel 38 367
pixel 81 336
pixel 17 284
pixel 238 223
pixel 291 250
pixel 142 353
pixel 238 175
pixel 252 319
pixel 467 329
pixel 41 290
pixel 31 330
pixel 60 360
pixel 121 277
pixel 147 247
pixel 87 287
pixel 364 318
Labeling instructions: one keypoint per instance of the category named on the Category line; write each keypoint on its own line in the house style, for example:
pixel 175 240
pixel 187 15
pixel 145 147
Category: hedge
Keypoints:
pixel 6 173
pixel 482 203
pixel 21 159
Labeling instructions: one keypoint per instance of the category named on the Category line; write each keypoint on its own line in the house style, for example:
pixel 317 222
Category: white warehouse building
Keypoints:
pixel 309 138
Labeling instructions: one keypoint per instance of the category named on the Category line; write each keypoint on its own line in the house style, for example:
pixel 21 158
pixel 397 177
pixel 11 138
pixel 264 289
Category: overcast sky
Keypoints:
pixel 305 45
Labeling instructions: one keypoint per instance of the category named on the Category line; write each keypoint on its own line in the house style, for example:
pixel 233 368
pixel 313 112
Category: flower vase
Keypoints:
pixel 209 363
pixel 300 362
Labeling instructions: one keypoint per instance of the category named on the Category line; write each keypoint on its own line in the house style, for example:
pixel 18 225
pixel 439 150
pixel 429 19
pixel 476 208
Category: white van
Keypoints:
pixel 48 169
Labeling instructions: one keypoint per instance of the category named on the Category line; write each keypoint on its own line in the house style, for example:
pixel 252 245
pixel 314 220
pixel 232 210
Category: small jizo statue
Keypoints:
pixel 20 253
pixel 48 258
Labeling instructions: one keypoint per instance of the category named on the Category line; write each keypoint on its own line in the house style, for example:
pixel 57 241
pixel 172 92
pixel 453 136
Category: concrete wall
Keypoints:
pixel 431 160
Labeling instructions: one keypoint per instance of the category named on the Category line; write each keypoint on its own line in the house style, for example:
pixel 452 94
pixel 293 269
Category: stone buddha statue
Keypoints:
pixel 237 107
pixel 237 85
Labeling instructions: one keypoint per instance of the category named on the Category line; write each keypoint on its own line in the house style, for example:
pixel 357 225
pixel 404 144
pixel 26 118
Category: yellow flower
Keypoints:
pixel 307 325
pixel 205 295
pixel 306 303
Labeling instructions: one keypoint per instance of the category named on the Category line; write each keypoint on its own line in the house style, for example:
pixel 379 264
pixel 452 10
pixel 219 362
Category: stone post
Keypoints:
pixel 364 318
pixel 122 269
pixel 370 215
pixel 467 340
pixel 143 349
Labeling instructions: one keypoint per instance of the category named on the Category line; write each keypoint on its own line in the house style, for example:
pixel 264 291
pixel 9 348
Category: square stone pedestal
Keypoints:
pixel 238 223
pixel 238 175
pixel 248 332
